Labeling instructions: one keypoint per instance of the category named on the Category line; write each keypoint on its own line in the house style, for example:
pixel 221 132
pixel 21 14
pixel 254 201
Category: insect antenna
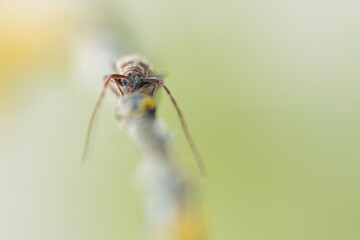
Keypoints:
pixel 94 116
pixel 183 123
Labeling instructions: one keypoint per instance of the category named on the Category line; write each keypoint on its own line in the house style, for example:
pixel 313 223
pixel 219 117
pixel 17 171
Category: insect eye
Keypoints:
pixel 124 81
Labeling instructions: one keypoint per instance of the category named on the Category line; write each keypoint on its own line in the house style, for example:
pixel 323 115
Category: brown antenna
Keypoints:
pixel 94 116
pixel 183 123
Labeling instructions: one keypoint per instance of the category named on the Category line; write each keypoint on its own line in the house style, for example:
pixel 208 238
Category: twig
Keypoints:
pixel 172 207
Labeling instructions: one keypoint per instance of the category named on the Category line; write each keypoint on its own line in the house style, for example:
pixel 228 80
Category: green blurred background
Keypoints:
pixel 270 90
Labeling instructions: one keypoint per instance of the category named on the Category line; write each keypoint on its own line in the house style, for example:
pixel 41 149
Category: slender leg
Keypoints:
pixel 118 88
pixel 154 89
pixel 112 87
pixel 159 76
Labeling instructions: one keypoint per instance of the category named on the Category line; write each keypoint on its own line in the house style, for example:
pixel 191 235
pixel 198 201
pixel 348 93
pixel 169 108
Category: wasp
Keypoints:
pixel 135 74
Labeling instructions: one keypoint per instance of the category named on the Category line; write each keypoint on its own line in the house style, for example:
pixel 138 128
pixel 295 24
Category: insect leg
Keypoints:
pixel 94 116
pixel 158 76
pixel 112 87
pixel 183 123
pixel 118 88
pixel 154 89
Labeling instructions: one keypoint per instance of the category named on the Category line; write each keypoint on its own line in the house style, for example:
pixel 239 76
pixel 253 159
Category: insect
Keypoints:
pixel 134 74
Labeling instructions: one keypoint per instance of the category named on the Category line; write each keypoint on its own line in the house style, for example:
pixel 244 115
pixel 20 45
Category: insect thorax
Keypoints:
pixel 132 63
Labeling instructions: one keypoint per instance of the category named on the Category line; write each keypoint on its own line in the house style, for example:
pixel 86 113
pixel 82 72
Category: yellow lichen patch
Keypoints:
pixel 147 104
pixel 190 226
